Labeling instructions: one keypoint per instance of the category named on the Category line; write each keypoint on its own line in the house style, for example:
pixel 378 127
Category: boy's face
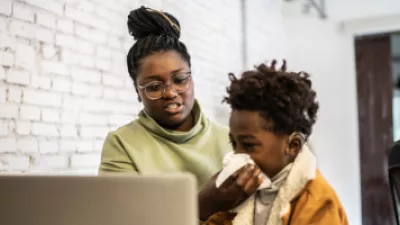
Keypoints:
pixel 266 149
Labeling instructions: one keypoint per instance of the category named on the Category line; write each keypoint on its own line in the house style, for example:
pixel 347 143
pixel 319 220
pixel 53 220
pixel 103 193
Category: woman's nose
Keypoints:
pixel 169 93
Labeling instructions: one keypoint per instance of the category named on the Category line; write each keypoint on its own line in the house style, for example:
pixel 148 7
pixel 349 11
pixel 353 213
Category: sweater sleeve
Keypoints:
pixel 114 157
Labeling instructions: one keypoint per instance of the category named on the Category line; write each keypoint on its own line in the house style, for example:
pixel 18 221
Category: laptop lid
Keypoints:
pixel 92 200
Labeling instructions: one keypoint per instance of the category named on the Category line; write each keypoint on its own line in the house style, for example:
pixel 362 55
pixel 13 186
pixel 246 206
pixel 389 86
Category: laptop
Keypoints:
pixel 98 200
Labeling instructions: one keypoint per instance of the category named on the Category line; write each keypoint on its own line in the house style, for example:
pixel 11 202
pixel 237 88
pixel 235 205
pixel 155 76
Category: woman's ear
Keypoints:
pixel 137 92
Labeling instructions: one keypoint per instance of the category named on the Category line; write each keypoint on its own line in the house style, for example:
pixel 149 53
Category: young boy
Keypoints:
pixel 273 112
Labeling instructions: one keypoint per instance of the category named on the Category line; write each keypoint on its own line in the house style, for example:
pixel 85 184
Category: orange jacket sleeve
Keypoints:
pixel 327 212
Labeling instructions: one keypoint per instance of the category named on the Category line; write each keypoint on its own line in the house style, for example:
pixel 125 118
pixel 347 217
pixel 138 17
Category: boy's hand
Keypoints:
pixel 234 191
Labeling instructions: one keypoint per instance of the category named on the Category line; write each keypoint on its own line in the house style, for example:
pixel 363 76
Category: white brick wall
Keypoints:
pixel 63 78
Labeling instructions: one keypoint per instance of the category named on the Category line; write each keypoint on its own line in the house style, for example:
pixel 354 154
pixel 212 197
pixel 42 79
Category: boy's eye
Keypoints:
pixel 248 147
pixel 233 144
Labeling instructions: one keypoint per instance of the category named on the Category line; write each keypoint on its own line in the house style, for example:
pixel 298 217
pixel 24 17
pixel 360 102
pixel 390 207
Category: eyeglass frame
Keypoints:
pixel 166 84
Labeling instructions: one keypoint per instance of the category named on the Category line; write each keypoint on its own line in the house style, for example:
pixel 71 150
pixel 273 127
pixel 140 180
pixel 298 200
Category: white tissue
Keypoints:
pixel 231 163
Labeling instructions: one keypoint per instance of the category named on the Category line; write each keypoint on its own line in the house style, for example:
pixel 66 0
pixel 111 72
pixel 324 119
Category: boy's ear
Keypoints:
pixel 296 141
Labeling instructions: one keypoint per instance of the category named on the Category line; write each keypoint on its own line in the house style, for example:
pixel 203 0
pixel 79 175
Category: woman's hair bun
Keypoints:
pixel 143 22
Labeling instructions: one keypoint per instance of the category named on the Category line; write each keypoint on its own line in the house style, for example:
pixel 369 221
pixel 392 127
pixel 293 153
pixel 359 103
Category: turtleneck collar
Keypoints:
pixel 150 124
pixel 277 180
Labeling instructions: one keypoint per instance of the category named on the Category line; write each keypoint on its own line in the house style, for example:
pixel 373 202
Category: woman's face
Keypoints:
pixel 173 109
pixel 268 151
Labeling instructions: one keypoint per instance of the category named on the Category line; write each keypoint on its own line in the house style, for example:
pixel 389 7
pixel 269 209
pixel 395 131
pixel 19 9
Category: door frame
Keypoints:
pixel 351 29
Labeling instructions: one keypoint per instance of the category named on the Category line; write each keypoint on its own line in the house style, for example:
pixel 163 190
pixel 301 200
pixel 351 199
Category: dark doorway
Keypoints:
pixel 375 95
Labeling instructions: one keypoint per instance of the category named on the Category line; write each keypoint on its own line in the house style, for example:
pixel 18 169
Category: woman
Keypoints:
pixel 273 112
pixel 171 133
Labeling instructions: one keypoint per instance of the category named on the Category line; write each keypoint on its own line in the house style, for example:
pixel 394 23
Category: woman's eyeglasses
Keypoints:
pixel 156 89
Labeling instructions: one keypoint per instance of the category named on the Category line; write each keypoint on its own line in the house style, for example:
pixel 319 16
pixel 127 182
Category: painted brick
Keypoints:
pixel 6 126
pixel 22 29
pixel 68 145
pixel 85 160
pixel 120 120
pixel 44 35
pixel 14 94
pixel 43 129
pixel 22 12
pixel 103 64
pixel 17 76
pixel 25 56
pixel 69 57
pixel 84 47
pixel 50 115
pixel 68 131
pixel 115 43
pixel 5 7
pixel 85 146
pixel 92 119
pixel 46 19
pixel 28 112
pixel 49 162
pixel 49 52
pixel 119 7
pixel 62 84
pixel 79 88
pixel 94 132
pixel 23 127
pixel 98 146
pixel 41 82
pixel 9 111
pixel 48 146
pixel 103 52
pixel 6 58
pixel 8 144
pixel 66 40
pixel 51 6
pixel 113 80
pixel 69 117
pixel 65 26
pixel 2 73
pixel 86 75
pixel 83 31
pixel 14 162
pixel 41 98
pixel 105 13
pixel 27 145
pixel 3 25
pixel 118 56
pixel 86 18
pixel 118 67
pixel 92 35
pixel 7 42
pixel 110 93
pixel 72 103
pixel 127 95
pixel 54 67
pixel 86 6
pixel 86 61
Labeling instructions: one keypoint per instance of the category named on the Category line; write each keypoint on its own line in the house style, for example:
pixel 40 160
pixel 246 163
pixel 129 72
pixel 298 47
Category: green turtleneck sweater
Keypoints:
pixel 143 146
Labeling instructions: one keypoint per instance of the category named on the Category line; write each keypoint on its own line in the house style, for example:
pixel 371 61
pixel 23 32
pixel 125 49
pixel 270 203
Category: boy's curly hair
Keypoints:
pixel 285 100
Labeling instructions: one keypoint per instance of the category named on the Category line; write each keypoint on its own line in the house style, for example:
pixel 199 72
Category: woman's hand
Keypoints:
pixel 234 191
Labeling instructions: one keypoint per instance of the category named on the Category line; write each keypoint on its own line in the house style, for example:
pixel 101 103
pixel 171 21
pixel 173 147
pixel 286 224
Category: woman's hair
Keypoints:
pixel 285 100
pixel 154 31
